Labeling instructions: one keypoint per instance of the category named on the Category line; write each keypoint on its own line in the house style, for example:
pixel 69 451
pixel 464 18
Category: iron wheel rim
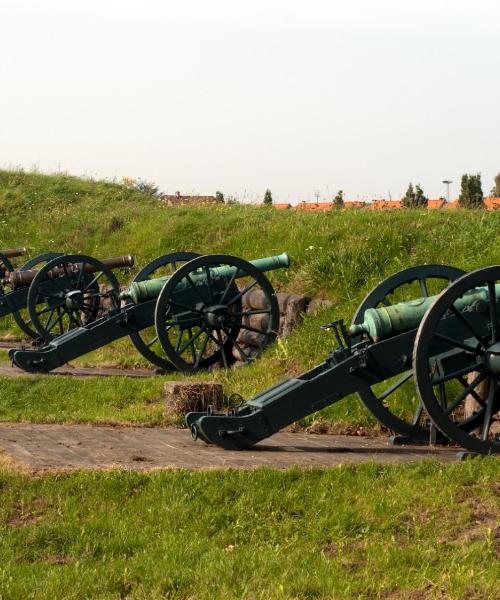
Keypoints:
pixel 145 347
pixel 81 283
pixel 22 317
pixel 377 297
pixel 225 338
pixel 460 432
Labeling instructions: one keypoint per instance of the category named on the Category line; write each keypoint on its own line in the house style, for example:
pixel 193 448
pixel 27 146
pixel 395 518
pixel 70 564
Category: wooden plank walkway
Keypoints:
pixel 7 370
pixel 43 447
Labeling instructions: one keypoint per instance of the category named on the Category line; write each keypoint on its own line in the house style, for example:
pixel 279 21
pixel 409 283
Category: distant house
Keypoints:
pixel 314 206
pixel 282 205
pixel 436 204
pixel 385 204
pixel 178 200
pixel 354 204
pixel 492 203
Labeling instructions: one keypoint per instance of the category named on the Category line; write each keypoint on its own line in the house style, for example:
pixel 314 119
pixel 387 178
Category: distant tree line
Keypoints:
pixel 471 193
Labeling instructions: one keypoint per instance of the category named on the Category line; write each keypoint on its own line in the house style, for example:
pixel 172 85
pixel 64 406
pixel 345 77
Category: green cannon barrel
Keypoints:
pixel 144 290
pixel 383 322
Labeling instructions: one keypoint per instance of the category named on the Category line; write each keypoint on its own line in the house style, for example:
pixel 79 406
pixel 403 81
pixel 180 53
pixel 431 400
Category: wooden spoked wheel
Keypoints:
pixel 457 361
pixel 146 341
pixel 199 313
pixel 394 402
pixel 71 291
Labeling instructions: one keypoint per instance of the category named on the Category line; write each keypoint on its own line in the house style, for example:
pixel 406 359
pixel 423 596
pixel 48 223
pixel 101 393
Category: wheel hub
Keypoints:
pixel 215 316
pixel 492 359
pixel 74 300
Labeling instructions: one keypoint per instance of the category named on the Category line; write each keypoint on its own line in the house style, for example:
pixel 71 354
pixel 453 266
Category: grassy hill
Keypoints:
pixel 339 255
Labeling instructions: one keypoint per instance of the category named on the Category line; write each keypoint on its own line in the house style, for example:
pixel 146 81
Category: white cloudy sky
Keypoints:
pixel 201 95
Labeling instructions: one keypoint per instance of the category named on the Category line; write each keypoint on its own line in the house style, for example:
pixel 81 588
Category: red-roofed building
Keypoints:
pixel 492 203
pixel 385 204
pixel 436 204
pixel 354 204
pixel 314 206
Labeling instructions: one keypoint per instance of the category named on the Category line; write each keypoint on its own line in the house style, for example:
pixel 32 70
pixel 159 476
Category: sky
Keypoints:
pixel 304 98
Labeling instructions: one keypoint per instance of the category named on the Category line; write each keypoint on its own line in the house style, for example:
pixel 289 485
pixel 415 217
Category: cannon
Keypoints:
pixel 447 341
pixel 46 302
pixel 8 303
pixel 6 255
pixel 182 311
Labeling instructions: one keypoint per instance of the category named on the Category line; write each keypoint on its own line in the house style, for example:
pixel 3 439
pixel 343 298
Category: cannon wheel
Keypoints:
pixel 446 407
pixel 72 298
pixel 5 266
pixel 409 284
pixel 198 325
pixel 22 317
pixel 146 341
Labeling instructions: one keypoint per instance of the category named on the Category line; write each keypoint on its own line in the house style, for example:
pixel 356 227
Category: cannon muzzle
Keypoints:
pixel 14 252
pixel 18 279
pixel 145 290
pixel 386 321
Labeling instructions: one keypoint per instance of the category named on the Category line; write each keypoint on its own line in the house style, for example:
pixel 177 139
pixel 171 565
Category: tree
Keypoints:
pixel 414 198
pixel 421 199
pixel 408 199
pixel 338 201
pixel 268 198
pixel 148 188
pixel 471 194
pixel 495 190
pixel 219 197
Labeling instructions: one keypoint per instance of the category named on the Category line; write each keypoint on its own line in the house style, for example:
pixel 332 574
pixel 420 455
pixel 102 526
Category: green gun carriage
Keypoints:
pixel 46 302
pixel 182 311
pixel 431 326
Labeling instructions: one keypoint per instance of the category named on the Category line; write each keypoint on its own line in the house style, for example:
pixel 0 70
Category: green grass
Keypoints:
pixel 120 400
pixel 416 531
pixel 69 400
pixel 339 255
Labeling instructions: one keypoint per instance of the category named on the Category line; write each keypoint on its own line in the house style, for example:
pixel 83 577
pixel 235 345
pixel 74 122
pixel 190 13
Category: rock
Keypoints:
pixel 260 322
pixel 250 352
pixel 295 308
pixel 283 301
pixel 256 299
pixel 318 304
pixel 185 396
pixel 250 338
